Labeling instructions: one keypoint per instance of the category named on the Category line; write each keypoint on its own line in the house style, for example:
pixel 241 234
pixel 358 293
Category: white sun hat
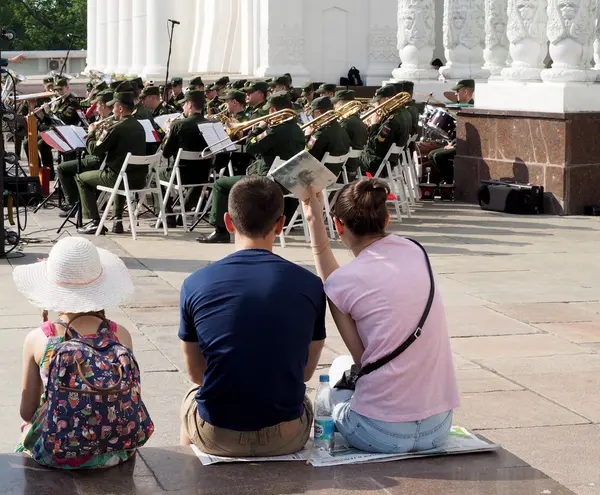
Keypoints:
pixel 77 277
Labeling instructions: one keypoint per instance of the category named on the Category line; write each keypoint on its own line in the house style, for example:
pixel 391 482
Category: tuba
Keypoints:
pixel 389 107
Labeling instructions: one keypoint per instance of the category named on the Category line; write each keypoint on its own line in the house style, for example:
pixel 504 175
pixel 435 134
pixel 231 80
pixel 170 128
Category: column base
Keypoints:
pixel 568 75
pixel 415 74
pixel 548 97
pixel 522 73
pixel 458 72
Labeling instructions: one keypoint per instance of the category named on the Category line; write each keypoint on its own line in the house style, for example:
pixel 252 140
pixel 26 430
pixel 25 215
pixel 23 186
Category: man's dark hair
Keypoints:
pixel 255 206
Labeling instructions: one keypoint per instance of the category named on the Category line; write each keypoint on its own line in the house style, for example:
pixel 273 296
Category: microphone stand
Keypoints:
pixel 62 69
pixel 166 92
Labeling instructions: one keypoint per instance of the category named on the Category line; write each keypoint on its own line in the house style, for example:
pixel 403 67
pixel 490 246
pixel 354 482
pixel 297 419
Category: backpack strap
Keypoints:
pixel 48 329
pixel 369 368
pixel 108 328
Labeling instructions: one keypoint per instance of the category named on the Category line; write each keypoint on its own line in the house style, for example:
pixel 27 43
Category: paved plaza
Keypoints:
pixel 522 297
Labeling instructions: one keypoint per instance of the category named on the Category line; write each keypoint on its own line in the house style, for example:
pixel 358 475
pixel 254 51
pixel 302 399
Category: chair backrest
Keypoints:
pixel 354 154
pixel 190 155
pixel 334 160
pixel 394 150
pixel 151 161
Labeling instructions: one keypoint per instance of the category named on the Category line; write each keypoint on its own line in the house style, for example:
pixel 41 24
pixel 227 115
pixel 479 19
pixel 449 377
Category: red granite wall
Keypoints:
pixel 558 151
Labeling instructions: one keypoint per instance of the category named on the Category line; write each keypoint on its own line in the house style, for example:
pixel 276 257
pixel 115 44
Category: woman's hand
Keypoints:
pixel 313 206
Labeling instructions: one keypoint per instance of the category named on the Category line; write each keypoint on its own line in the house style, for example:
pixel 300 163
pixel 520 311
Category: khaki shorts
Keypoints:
pixel 285 438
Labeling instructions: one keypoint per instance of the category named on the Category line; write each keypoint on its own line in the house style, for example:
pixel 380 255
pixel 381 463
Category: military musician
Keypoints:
pixel 151 98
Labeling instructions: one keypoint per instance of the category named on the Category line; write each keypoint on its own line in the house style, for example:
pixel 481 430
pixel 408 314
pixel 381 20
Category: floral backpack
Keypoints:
pixel 93 402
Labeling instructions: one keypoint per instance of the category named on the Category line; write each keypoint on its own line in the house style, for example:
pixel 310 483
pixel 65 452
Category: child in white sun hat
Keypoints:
pixel 90 413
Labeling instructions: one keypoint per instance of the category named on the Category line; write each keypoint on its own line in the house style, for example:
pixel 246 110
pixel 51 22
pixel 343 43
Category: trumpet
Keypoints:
pixel 51 104
pixel 388 107
pixel 272 120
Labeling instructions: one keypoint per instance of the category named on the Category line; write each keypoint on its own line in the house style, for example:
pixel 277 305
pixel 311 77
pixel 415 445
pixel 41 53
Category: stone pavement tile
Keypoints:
pixel 162 392
pixel 569 454
pixel 153 361
pixel 153 316
pixel 585 488
pixel 471 321
pixel 594 346
pixel 22 476
pixel 11 427
pixel 328 355
pixel 480 380
pixel 28 320
pixel 141 342
pixel 579 392
pixel 573 332
pixel 514 346
pixel 558 312
pixel 567 363
pixel 461 363
pixel 511 409
pixel 454 293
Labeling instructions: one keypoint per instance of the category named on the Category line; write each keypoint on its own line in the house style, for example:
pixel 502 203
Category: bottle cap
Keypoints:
pixel 324 378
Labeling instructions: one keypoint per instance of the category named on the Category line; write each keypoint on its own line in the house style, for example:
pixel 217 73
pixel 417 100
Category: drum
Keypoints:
pixel 443 123
pixel 428 112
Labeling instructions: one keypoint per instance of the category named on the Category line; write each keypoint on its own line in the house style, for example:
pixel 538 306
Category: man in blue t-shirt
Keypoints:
pixel 252 331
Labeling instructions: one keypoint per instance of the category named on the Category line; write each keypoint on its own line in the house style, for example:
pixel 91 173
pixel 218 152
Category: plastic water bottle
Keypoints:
pixel 324 424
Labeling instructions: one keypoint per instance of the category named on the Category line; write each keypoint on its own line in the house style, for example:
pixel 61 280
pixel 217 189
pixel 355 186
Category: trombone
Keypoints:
pixel 388 107
pixel 346 111
pixel 273 119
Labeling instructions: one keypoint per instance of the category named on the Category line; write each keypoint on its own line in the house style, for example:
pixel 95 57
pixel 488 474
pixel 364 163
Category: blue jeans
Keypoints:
pixel 372 435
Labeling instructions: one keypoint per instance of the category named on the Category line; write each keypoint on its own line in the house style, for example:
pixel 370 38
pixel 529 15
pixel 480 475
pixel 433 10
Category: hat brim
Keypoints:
pixel 112 102
pixel 112 288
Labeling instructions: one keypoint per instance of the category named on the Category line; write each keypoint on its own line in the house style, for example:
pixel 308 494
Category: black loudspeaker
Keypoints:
pixel 508 197
pixel 26 191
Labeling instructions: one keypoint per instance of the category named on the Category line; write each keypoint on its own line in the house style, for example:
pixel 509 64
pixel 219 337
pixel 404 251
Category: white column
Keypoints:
pixel 495 53
pixel 101 48
pixel 233 45
pixel 464 39
pixel 282 39
pixel 215 44
pixel 571 32
pixel 112 35
pixel 138 37
pixel 597 38
pixel 416 40
pixel 125 37
pixel 247 37
pixel 528 40
pixel 157 39
pixel 92 18
pixel 197 39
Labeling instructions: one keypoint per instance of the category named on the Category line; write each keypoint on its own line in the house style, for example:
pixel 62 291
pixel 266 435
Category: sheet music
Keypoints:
pixel 71 136
pixel 161 120
pixel 151 135
pixel 58 140
pixel 213 133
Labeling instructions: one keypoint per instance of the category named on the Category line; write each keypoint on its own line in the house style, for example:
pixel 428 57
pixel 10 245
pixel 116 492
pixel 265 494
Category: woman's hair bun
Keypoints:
pixel 376 190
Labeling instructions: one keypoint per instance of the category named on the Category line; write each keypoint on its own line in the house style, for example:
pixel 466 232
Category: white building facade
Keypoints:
pixel 503 42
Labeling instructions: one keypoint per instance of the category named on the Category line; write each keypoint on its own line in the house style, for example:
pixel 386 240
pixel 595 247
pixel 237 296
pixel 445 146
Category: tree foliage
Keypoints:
pixel 44 24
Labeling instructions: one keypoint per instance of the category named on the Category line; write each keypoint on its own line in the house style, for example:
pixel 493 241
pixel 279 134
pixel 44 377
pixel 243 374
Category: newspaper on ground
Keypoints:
pixel 460 441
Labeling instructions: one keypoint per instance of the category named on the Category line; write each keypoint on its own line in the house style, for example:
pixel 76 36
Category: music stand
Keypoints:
pixel 76 209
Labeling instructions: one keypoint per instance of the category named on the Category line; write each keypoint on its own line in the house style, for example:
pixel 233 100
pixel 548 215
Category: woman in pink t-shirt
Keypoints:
pixel 377 301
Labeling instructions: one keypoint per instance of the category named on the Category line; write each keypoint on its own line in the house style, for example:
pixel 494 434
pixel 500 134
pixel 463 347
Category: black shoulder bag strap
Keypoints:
pixel 369 368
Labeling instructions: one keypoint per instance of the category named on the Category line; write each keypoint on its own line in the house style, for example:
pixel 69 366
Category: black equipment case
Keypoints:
pixel 509 197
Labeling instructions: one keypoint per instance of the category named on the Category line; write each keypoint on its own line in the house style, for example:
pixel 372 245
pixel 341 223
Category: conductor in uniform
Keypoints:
pixel 126 136
pixel 266 143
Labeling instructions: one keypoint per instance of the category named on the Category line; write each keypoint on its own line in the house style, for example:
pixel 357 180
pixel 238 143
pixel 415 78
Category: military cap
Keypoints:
pixel 239 84
pixel 261 86
pixel 125 98
pixel 124 87
pixel 234 94
pixel 308 88
pixel 150 91
pixel 137 83
pixel 222 82
pixel 105 96
pixel 385 92
pixel 344 95
pixel 89 85
pixel 101 86
pixel 322 103
pixel 279 100
pixel 196 81
pixel 329 88
pixel 61 82
pixel 196 97
pixel 48 80
pixel 115 84
pixel 406 86
pixel 177 81
pixel 283 80
pixel 464 83
pixel 212 87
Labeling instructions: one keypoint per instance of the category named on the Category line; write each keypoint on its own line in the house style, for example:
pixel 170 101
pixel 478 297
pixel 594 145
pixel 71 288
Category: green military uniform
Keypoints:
pixel 185 134
pixel 414 116
pixel 283 141
pixel 214 106
pixel 394 129
pixel 176 101
pixel 127 136
pixel 259 110
pixel 140 112
pixel 355 128
pixel 67 171
pixel 163 109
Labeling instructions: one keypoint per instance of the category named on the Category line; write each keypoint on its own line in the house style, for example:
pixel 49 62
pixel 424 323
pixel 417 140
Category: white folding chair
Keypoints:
pixel 396 187
pixel 181 191
pixel 353 154
pixel 152 186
